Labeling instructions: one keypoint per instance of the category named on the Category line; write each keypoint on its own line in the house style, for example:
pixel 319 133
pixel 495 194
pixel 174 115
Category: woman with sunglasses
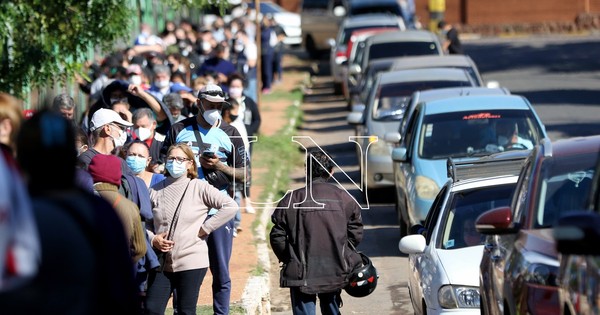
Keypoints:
pixel 180 206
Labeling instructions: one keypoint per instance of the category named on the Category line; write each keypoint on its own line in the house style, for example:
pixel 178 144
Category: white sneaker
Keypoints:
pixel 234 233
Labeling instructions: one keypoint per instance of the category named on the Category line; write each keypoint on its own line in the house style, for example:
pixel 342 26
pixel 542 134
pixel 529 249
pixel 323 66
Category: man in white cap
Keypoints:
pixel 219 151
pixel 109 131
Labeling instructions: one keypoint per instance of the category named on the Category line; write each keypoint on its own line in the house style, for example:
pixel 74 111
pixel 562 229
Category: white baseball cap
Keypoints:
pixel 105 116
pixel 212 93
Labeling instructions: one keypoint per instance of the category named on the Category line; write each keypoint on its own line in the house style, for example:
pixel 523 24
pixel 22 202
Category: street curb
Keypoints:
pixel 256 296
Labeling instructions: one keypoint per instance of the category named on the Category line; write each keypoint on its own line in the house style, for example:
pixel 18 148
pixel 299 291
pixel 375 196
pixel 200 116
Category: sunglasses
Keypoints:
pixel 212 93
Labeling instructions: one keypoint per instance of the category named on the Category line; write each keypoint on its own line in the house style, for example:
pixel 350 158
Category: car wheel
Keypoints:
pixel 337 88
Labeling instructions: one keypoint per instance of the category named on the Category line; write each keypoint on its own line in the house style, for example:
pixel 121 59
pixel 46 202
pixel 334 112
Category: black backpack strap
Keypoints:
pixel 198 136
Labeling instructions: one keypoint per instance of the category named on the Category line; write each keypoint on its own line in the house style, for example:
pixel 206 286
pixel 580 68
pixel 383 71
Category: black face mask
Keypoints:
pixel 233 117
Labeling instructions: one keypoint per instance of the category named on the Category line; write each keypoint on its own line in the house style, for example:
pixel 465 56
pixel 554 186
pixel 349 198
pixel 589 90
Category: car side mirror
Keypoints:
pixel 399 154
pixel 339 11
pixel 358 108
pixel 392 137
pixel 496 221
pixel 355 118
pixel 331 42
pixel 412 244
pixel 578 233
pixel 354 69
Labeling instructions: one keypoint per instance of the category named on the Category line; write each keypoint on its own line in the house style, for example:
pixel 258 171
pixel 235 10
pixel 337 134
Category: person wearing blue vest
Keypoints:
pixel 220 155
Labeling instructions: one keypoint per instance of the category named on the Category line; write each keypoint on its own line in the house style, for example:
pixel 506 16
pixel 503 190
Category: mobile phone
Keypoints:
pixel 208 154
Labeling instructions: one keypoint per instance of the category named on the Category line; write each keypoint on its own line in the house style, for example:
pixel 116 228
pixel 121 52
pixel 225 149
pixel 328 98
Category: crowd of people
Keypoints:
pixel 134 201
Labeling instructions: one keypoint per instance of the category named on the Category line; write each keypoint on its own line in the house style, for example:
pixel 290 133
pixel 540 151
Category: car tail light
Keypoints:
pixel 340 56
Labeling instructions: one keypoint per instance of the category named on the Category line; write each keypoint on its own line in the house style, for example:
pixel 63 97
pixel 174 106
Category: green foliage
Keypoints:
pixel 44 41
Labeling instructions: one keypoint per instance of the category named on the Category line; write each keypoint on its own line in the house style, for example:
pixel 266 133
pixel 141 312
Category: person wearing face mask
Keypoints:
pixel 247 55
pixel 180 229
pixel 218 64
pixel 219 152
pixel 137 157
pixel 162 81
pixel 144 124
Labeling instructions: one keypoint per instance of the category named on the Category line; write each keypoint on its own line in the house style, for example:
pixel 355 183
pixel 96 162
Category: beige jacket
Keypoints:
pixel 189 251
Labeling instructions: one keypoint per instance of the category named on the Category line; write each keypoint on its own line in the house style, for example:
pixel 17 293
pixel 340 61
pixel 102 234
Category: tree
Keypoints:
pixel 44 41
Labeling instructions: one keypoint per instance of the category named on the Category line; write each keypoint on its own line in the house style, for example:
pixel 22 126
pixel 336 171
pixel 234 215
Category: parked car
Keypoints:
pixel 457 127
pixel 443 257
pixel 351 24
pixel 384 110
pixel 577 236
pixel 289 21
pixel 519 267
pixel 394 44
pixel 321 19
pixel 402 63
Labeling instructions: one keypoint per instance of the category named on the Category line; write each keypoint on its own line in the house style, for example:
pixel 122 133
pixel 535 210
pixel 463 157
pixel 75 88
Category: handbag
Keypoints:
pixel 214 177
pixel 162 256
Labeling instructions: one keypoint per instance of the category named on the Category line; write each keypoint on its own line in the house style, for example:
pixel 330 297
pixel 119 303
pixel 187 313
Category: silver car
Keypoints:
pixel 338 54
pixel 384 110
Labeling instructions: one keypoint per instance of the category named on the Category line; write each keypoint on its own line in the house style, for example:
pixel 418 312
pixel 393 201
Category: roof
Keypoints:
pixel 432 61
pixel 476 102
pixel 499 164
pixel 429 74
pixel 407 36
pixel 435 94
pixel 374 19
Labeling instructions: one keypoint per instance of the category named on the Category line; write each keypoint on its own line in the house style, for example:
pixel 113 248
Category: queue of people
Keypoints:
pixel 141 187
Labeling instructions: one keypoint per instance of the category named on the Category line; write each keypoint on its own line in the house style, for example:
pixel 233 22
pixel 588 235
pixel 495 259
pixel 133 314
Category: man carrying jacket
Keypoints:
pixel 314 233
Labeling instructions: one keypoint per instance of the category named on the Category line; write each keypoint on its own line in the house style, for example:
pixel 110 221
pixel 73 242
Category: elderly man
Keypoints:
pixel 174 103
pixel 220 155
pixel 144 124
pixel 65 105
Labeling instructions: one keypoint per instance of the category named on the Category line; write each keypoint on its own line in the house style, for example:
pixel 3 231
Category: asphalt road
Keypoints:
pixel 559 75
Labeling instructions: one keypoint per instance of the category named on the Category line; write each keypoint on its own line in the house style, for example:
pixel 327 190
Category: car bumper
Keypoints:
pixel 454 311
pixel 293 41
pixel 379 167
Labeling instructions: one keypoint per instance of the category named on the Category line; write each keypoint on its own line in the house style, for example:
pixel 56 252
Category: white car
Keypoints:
pixel 445 254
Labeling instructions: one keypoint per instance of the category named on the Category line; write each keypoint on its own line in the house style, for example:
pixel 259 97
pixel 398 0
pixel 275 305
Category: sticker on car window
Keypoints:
pixel 481 116
pixel 449 244
pixel 428 130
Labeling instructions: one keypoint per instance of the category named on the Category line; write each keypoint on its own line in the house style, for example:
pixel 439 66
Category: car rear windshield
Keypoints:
pixel 391 9
pixel 565 185
pixel 401 49
pixel 458 224
pixel 477 133
pixel 391 99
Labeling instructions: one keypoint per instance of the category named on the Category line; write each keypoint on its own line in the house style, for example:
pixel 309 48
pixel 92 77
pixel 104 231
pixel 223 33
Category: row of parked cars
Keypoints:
pixel 483 197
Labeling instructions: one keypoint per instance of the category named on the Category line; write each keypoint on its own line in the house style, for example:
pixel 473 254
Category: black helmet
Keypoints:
pixel 363 279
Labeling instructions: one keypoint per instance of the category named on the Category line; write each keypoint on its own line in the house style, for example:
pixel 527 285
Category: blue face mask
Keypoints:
pixel 136 164
pixel 176 169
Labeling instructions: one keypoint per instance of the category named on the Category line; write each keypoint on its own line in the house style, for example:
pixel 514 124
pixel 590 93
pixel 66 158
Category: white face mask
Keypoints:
pixel 120 141
pixel 135 79
pixel 176 169
pixel 206 46
pixel 161 84
pixel 238 47
pixel 143 133
pixel 236 92
pixel 211 116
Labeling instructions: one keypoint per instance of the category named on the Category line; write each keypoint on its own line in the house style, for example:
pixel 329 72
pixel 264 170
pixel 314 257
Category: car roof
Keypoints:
pixel 425 74
pixel 375 19
pixel 399 36
pixel 431 61
pixel 476 102
pixel 435 94
pixel 484 182
pixel 573 146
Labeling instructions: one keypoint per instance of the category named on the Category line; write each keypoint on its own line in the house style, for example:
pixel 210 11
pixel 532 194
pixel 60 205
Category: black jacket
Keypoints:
pixel 312 241
pixel 251 116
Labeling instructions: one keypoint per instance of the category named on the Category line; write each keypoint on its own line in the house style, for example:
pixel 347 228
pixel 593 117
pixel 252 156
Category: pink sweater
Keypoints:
pixel 189 251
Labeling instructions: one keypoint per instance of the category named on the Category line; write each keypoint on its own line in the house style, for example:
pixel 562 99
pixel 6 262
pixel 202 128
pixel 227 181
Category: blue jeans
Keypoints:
pixel 220 244
pixel 161 284
pixel 305 304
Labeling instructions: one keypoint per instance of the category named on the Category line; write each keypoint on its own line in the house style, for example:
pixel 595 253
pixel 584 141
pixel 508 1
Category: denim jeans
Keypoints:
pixel 220 244
pixel 305 304
pixel 161 284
